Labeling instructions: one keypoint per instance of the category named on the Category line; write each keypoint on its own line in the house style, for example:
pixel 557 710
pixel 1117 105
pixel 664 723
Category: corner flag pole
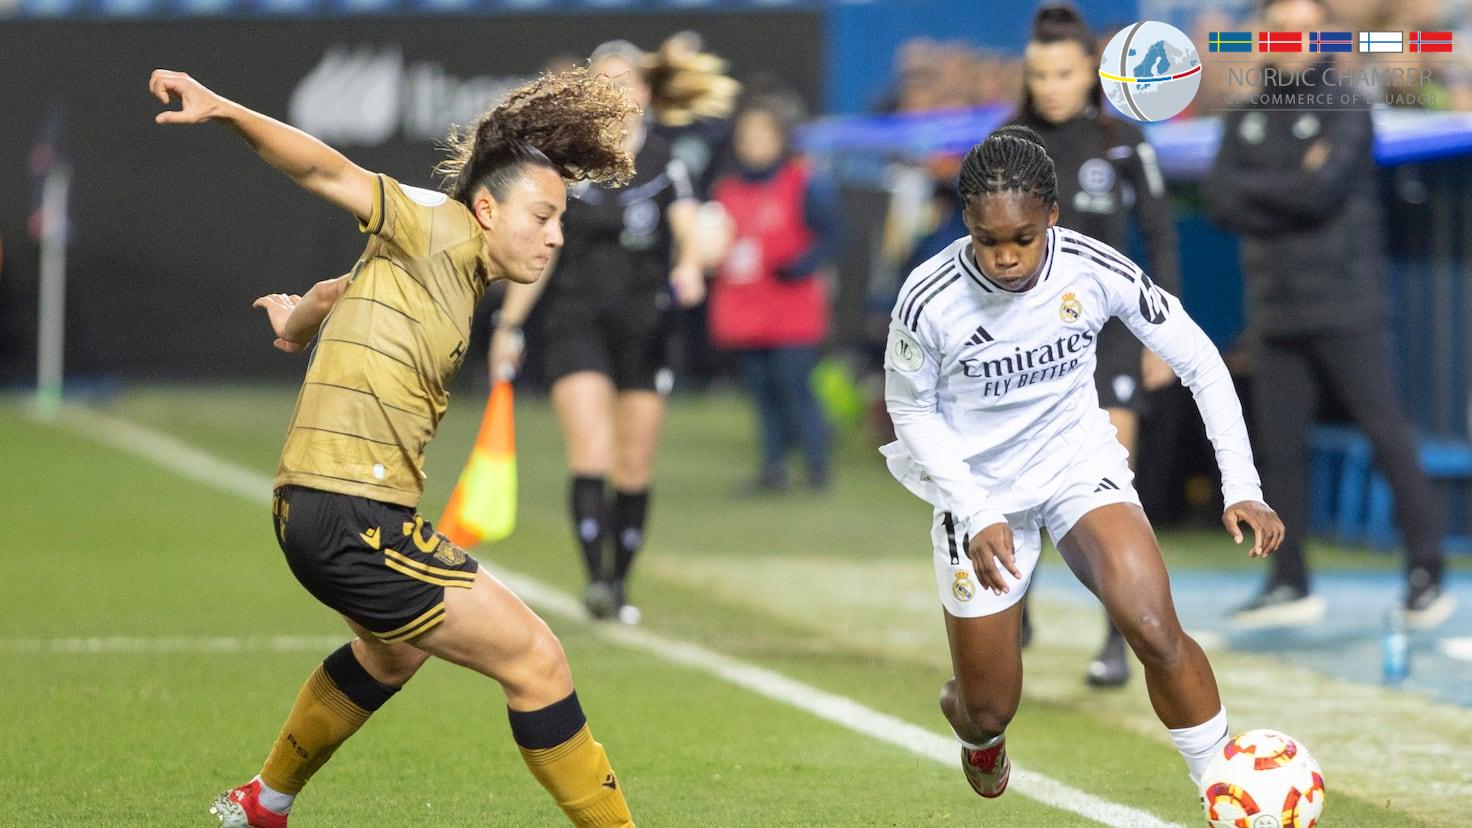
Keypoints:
pixel 51 324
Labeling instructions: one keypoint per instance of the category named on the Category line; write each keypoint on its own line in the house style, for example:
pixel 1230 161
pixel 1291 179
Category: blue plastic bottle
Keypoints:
pixel 1395 648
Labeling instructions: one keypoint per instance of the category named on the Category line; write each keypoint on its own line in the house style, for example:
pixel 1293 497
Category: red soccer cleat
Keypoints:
pixel 242 808
pixel 987 770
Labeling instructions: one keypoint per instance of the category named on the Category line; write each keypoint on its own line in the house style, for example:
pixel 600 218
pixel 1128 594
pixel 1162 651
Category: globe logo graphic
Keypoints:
pixel 1150 71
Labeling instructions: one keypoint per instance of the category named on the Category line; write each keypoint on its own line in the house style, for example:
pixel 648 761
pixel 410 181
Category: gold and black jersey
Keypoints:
pixel 376 386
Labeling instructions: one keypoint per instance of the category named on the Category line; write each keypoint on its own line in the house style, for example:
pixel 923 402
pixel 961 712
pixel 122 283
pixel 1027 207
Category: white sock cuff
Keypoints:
pixel 1199 743
pixel 1199 739
pixel 273 800
pixel 989 743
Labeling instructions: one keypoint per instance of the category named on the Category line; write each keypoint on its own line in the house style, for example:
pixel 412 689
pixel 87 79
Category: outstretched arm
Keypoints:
pixel 295 319
pixel 318 168
pixel 1160 322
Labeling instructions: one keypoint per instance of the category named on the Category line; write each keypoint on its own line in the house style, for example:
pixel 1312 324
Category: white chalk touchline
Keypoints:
pixel 190 462
pixel 148 645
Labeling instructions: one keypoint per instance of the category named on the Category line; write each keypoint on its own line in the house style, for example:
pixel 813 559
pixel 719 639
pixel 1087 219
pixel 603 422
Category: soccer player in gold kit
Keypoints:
pixel 390 334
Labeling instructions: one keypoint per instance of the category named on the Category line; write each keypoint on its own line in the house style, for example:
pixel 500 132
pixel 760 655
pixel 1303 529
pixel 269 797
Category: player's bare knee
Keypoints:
pixel 1158 641
pixel 545 664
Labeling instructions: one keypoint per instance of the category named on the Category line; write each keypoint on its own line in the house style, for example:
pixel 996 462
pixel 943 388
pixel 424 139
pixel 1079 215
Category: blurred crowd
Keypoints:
pixel 931 74
pixel 771 247
pixel 1451 74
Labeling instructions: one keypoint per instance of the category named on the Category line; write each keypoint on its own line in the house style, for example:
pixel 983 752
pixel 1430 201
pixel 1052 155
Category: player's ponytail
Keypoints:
pixel 1010 159
pixel 686 83
pixel 569 121
pixel 1062 23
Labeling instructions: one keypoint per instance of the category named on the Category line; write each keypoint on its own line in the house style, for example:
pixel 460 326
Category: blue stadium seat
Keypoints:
pixel 1351 501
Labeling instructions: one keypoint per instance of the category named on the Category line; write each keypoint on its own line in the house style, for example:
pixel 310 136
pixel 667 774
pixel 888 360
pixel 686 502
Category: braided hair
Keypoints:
pixel 1010 159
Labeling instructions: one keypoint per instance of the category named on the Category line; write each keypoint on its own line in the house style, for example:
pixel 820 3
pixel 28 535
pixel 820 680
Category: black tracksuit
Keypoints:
pixel 1314 270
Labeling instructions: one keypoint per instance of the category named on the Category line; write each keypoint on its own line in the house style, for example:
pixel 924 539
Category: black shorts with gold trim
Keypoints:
pixel 381 565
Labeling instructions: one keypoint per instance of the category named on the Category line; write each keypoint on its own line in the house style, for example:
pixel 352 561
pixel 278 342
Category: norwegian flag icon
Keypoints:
pixel 1431 41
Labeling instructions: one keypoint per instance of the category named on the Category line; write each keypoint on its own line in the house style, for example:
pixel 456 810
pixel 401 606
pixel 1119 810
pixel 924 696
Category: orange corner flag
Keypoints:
pixel 483 505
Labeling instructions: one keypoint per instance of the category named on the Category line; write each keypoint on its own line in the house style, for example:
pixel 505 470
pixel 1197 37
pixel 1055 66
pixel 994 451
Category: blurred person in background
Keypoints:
pixel 629 257
pixel 1300 188
pixel 1107 174
pixel 769 298
pixel 692 101
pixel 392 334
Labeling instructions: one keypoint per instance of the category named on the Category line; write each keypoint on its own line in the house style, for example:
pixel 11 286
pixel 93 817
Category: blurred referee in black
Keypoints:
pixel 1299 185
pixel 1107 179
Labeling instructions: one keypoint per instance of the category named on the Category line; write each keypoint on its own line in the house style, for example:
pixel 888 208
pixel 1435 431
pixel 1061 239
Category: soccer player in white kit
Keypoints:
pixel 989 378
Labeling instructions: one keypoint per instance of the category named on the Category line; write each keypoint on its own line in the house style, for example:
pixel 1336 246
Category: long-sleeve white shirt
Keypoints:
pixel 992 391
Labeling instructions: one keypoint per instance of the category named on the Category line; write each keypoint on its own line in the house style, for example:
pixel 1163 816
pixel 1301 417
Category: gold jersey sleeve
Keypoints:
pixel 375 388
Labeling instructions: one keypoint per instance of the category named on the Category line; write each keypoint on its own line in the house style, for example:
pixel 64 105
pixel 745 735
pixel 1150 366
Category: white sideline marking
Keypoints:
pixel 134 644
pixel 201 466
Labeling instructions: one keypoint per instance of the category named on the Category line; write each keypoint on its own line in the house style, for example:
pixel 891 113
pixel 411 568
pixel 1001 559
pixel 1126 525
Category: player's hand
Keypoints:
pixel 198 104
pixel 278 307
pixel 990 548
pixel 688 283
pixel 508 350
pixel 1266 526
pixel 1155 373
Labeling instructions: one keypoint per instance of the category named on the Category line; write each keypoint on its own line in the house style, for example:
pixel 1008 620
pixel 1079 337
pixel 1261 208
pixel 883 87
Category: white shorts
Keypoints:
pixel 1088 485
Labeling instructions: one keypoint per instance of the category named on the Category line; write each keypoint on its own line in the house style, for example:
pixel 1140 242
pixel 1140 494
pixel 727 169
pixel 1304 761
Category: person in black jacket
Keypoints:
pixel 628 259
pixel 1107 174
pixel 1298 185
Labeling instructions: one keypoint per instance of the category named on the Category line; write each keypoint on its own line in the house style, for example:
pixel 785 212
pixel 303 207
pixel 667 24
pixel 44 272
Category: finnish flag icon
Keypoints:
pixel 1381 42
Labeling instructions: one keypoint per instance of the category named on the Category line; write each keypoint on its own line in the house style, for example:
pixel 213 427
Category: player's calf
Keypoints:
pixel 975 717
pixel 561 753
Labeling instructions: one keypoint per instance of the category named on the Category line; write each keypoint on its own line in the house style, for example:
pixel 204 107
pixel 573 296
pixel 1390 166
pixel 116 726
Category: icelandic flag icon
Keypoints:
pixel 1331 41
pixel 1280 41
pixel 1380 42
pixel 1230 42
pixel 1431 41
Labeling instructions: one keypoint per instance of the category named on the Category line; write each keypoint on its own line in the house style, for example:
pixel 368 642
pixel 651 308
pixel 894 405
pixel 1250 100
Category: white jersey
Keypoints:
pixel 992 391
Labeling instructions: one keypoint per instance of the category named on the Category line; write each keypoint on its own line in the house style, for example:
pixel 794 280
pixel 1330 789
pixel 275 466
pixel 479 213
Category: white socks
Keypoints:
pixel 1199 743
pixel 989 743
pixel 273 800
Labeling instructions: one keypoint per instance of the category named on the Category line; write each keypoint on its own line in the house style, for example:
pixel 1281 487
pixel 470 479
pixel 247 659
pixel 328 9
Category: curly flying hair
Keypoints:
pixel 568 121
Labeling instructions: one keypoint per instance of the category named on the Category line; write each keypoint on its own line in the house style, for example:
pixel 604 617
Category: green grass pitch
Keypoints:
pixel 833 590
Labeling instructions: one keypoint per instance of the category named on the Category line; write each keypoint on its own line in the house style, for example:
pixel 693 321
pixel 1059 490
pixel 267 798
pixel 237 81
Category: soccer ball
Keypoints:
pixel 1263 779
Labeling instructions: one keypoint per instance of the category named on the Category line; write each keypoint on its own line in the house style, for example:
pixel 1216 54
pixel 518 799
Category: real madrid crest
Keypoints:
pixel 962 587
pixel 1071 309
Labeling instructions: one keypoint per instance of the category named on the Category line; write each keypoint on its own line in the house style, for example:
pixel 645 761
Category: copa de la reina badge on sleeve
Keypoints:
pixel 904 351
